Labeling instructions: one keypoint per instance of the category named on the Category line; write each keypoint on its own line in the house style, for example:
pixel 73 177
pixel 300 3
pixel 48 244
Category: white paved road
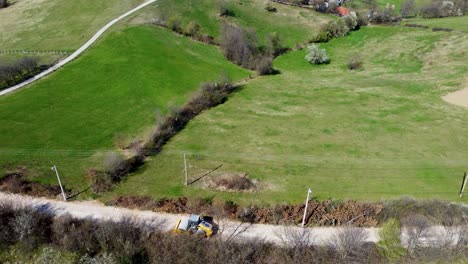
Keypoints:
pixel 77 53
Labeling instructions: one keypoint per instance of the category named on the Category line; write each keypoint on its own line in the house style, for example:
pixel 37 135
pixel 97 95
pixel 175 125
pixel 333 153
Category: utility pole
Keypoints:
pixel 309 191
pixel 185 170
pixel 54 168
pixel 465 178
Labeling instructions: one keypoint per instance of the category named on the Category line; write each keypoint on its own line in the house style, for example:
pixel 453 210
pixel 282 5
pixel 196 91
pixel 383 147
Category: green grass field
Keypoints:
pixel 381 132
pixel 111 92
pixel 293 25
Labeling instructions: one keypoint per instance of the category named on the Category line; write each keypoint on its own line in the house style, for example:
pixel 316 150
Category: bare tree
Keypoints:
pixel 417 228
pixel 348 241
pixel 297 241
pixel 407 9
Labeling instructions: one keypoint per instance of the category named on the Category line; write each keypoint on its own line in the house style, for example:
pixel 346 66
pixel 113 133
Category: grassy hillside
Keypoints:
pixel 56 24
pixel 112 92
pixel 366 4
pixel 293 25
pixel 380 132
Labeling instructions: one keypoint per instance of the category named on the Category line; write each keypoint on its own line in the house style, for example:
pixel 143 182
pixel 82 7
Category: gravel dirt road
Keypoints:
pixel 227 229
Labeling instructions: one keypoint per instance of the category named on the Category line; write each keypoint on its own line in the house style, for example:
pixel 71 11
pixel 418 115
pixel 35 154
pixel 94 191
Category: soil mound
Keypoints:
pixel 232 183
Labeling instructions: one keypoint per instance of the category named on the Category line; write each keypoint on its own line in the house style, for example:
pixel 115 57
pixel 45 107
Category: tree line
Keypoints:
pixel 18 71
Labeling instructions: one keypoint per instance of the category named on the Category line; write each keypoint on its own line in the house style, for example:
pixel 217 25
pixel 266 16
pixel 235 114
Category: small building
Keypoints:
pixel 342 11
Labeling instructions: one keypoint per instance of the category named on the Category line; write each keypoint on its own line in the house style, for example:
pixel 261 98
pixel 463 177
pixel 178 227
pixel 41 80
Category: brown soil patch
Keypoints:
pixel 15 183
pixel 232 183
pixel 459 98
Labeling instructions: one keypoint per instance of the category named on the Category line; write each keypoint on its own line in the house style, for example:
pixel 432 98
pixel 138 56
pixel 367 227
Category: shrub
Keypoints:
pixel 274 47
pixel 99 181
pixel 115 165
pixel 317 55
pixel 389 245
pixel 351 22
pixel 362 19
pixel 174 23
pixel 224 9
pixel 4 3
pixel 192 29
pixel 264 65
pixel 355 62
pixel 271 8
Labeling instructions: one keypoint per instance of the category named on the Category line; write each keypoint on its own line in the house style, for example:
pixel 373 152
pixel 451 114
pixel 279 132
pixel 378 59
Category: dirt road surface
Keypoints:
pixel 165 222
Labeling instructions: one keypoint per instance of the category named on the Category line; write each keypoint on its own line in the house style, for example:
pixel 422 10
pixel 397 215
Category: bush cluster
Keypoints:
pixel 386 15
pixel 340 27
pixel 18 71
pixel 241 46
pixel 129 241
pixel 192 29
pixel 437 212
pixel 24 226
pixel 435 8
pixel 115 168
pixel 209 95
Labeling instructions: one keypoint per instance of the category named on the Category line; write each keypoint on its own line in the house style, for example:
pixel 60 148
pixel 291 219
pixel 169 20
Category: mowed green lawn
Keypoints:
pixel 113 91
pixel 293 25
pixel 381 132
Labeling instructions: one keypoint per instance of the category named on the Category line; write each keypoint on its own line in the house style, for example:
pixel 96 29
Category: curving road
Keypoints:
pixel 77 53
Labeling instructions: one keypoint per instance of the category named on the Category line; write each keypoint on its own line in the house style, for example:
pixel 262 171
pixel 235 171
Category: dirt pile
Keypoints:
pixel 232 183
pixel 319 213
pixel 15 183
